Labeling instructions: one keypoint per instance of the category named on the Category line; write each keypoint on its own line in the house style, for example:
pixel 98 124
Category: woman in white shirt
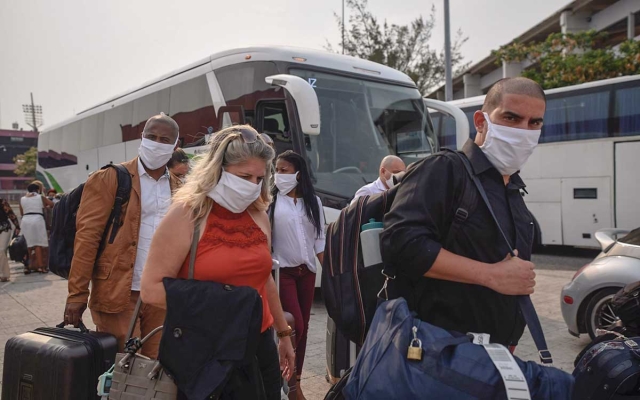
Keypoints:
pixel 297 223
pixel 34 228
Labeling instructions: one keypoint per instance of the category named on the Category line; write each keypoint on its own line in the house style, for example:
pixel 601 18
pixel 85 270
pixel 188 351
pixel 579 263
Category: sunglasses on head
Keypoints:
pixel 248 135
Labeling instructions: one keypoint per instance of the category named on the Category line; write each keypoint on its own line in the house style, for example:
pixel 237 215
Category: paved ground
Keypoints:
pixel 28 302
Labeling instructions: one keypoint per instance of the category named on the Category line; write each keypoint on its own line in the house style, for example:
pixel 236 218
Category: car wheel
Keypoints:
pixel 599 314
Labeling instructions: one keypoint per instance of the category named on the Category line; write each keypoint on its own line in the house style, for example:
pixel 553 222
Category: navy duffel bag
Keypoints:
pixel 451 365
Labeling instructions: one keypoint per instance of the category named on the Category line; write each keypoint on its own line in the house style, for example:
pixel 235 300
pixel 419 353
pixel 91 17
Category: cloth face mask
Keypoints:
pixel 155 155
pixel 286 182
pixel 508 149
pixel 234 193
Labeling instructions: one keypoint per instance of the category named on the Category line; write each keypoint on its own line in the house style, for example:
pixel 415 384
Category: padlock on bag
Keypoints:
pixel 415 347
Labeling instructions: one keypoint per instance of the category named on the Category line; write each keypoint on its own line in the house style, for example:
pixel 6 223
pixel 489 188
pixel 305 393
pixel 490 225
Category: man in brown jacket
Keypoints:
pixel 115 276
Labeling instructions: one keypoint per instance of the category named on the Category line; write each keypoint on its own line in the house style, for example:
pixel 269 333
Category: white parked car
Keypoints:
pixel 585 300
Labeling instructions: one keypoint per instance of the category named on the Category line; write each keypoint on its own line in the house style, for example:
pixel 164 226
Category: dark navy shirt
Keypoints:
pixel 417 228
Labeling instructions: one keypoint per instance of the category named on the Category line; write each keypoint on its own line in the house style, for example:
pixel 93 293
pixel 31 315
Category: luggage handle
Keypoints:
pixel 81 326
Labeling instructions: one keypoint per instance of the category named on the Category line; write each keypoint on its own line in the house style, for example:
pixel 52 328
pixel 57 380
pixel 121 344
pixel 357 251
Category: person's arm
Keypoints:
pixel 46 202
pixel 94 210
pixel 11 215
pixel 418 223
pixel 320 241
pixel 21 210
pixel 170 246
pixel 285 347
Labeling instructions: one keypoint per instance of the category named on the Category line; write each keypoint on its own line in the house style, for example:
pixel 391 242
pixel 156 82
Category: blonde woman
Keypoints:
pixel 227 192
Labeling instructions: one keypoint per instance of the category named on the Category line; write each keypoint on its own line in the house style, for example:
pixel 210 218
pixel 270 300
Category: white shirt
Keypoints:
pixel 295 240
pixel 155 198
pixel 374 187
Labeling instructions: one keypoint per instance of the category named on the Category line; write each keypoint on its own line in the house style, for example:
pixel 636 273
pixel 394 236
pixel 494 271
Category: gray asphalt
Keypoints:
pixel 563 258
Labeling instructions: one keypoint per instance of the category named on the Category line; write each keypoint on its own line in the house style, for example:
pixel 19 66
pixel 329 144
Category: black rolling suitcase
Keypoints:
pixel 341 353
pixel 56 364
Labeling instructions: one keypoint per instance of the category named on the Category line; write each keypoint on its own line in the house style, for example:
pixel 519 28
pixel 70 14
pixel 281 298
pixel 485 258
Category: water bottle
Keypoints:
pixel 370 242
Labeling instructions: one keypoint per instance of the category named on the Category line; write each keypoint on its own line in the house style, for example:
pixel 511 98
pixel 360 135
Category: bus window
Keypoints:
pixel 244 85
pixel 275 123
pixel 117 125
pixel 448 133
pixel 192 108
pixel 472 126
pixel 627 113
pixel 361 123
pixel 145 108
pixel 577 117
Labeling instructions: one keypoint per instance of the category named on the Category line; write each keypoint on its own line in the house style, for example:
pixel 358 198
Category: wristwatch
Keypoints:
pixel 285 333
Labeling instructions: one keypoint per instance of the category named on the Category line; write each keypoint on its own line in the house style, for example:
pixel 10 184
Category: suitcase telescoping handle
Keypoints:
pixel 81 326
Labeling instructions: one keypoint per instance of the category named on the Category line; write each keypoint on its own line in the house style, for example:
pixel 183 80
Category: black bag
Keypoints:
pixel 18 249
pixel 626 305
pixel 56 363
pixel 349 289
pixel 338 353
pixel 204 360
pixel 335 393
pixel 610 370
pixel 63 226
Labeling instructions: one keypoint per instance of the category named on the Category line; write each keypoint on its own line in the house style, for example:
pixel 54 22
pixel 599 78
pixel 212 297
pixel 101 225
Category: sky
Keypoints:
pixel 73 54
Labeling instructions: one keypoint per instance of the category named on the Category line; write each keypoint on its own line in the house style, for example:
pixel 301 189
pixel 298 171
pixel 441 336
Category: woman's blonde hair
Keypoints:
pixel 227 147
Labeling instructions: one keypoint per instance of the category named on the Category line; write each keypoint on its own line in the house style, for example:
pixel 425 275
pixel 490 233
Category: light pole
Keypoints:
pixel 342 26
pixel 448 88
pixel 32 115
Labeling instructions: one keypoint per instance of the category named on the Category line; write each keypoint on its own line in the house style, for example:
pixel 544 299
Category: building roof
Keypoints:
pixel 14 133
pixel 536 34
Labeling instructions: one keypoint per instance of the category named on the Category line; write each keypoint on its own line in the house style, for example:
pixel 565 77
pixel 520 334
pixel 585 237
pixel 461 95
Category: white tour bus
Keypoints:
pixel 584 174
pixel 343 113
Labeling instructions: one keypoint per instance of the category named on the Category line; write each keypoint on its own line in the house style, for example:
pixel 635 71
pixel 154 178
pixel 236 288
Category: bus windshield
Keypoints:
pixel 361 123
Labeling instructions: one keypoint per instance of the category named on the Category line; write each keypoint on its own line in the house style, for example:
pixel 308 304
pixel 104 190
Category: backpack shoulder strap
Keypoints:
pixel 123 192
pixel 466 206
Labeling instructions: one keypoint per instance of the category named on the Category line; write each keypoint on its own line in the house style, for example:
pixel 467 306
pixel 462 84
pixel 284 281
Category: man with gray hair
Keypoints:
pixel 389 166
pixel 115 271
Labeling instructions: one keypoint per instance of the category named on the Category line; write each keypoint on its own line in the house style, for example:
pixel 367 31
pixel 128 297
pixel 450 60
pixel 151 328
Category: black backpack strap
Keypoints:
pixel 526 306
pixel 467 205
pixel 123 193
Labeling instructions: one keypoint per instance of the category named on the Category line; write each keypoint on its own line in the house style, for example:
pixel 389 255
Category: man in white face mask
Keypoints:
pixel 116 272
pixel 389 166
pixel 442 237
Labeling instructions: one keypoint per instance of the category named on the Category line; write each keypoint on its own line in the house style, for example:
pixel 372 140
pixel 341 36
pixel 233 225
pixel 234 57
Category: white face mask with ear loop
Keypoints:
pixel 507 148
pixel 155 155
pixel 286 182
pixel 234 193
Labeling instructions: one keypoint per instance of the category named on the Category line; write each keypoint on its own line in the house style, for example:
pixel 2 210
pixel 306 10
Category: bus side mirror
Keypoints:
pixel 305 98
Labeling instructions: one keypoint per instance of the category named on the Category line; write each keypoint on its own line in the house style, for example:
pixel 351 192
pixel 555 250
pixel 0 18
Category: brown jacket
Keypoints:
pixel 111 276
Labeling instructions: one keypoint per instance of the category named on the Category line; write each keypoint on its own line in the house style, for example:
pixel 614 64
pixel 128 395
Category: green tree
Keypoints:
pixel 570 59
pixel 26 163
pixel 403 47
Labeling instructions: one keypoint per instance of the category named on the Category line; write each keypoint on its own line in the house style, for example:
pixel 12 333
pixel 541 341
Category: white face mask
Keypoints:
pixel 234 193
pixel 390 183
pixel 286 182
pixel 155 155
pixel 508 149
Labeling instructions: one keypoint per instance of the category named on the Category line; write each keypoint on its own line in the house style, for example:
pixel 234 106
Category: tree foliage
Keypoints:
pixel 570 59
pixel 402 47
pixel 26 163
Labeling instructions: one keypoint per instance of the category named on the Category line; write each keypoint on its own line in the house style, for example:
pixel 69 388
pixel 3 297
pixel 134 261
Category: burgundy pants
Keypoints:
pixel 297 285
